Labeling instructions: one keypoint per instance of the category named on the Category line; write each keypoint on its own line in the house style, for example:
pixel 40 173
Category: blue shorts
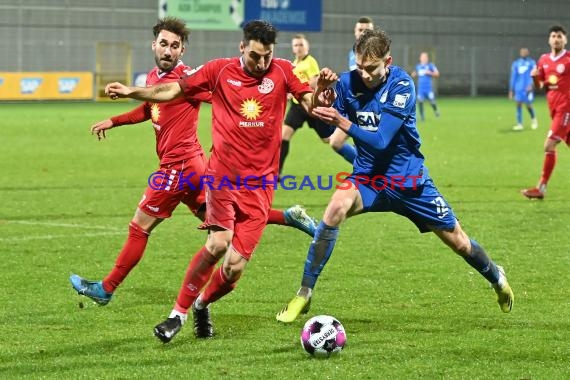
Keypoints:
pixel 524 96
pixel 425 94
pixel 424 206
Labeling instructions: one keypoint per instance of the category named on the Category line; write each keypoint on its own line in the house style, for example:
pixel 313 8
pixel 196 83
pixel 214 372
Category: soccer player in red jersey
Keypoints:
pixel 181 157
pixel 249 95
pixel 553 73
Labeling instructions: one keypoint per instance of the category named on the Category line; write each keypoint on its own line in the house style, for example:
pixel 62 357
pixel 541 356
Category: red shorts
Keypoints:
pixel 172 184
pixel 560 127
pixel 242 211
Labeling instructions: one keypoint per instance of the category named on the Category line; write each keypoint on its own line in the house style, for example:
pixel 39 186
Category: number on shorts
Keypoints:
pixel 440 207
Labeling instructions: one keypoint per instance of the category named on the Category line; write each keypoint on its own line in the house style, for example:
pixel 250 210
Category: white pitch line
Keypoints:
pixel 50 237
pixel 67 225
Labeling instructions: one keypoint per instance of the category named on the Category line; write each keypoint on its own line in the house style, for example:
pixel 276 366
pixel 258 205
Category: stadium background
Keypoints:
pixel 473 42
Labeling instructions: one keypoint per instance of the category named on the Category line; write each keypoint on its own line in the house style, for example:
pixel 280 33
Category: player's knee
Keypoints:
pixel 217 246
pixel 287 133
pixel 550 145
pixel 336 211
pixel 462 246
pixel 336 144
pixel 234 270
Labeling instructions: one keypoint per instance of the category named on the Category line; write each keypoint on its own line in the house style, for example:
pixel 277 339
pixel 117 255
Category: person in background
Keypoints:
pixel 307 70
pixel 338 139
pixel 553 74
pixel 521 88
pixel 425 72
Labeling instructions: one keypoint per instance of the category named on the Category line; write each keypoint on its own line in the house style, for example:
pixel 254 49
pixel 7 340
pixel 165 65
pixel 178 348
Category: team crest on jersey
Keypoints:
pixel 266 86
pixel 560 68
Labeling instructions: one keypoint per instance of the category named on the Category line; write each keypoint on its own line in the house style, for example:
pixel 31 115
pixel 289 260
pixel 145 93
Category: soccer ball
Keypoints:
pixel 323 336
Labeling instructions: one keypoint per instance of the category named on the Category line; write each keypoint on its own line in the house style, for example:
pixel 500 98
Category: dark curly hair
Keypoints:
pixel 259 30
pixel 557 28
pixel 173 25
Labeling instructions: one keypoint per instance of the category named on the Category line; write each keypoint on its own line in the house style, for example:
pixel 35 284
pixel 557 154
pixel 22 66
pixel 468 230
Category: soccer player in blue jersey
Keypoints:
pixel 338 140
pixel 521 88
pixel 425 72
pixel 375 105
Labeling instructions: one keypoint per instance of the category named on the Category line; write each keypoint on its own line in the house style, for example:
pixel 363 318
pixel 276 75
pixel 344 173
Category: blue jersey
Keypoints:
pixel 425 80
pixel 521 80
pixel 384 126
pixel 351 60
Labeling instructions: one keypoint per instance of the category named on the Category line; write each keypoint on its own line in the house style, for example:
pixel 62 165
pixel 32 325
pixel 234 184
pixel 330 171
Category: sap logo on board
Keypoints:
pixel 29 85
pixel 67 85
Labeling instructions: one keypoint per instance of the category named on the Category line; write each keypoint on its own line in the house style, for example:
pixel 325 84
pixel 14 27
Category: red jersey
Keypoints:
pixel 554 72
pixel 247 114
pixel 175 122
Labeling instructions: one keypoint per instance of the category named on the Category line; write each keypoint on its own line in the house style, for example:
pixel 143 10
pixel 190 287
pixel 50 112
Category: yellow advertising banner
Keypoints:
pixel 46 86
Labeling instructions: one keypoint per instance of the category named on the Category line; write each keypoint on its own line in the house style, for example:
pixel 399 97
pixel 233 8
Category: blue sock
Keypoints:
pixel 531 112
pixel 519 114
pixel 421 108
pixel 347 151
pixel 481 262
pixel 319 253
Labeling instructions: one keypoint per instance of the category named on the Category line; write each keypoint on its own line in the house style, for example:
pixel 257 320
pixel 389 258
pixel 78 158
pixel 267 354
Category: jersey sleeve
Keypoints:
pixel 134 116
pixel 399 106
pixel 198 84
pixel 401 100
pixel 379 139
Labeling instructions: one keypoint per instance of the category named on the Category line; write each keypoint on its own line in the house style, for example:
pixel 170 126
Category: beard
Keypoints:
pixel 164 65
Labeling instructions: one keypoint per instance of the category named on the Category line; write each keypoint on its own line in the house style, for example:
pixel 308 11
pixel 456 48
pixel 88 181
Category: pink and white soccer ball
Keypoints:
pixel 323 336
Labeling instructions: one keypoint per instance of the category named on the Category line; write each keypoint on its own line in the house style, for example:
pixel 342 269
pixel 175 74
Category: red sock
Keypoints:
pixel 276 217
pixel 197 275
pixel 129 257
pixel 218 287
pixel 548 166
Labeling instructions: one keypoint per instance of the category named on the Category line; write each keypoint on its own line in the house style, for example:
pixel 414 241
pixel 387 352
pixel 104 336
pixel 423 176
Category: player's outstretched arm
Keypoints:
pixel 136 115
pixel 380 139
pixel 159 93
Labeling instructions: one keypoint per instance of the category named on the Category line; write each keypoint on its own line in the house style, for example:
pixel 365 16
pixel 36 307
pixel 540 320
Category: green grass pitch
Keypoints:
pixel 411 308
